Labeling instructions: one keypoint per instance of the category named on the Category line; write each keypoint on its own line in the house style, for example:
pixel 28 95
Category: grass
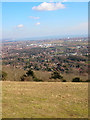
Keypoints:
pixel 15 74
pixel 44 100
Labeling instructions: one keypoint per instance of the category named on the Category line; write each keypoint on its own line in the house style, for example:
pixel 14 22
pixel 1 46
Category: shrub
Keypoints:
pixel 87 80
pixel 37 80
pixel 77 79
pixel 56 75
pixel 30 73
pixel 23 77
pixel 64 81
pixel 4 75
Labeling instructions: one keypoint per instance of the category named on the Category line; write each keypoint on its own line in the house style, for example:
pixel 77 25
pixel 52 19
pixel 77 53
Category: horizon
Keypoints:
pixel 46 38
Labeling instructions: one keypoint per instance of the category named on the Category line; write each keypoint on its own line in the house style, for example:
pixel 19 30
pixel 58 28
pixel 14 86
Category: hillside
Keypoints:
pixel 44 100
pixel 15 74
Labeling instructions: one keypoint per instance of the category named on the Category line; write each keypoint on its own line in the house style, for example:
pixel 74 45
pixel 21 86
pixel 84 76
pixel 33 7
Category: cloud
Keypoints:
pixel 20 25
pixel 51 0
pixel 64 0
pixel 48 6
pixel 38 23
pixel 34 17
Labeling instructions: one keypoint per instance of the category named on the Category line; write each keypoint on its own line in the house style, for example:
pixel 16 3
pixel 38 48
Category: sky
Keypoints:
pixel 44 0
pixel 41 19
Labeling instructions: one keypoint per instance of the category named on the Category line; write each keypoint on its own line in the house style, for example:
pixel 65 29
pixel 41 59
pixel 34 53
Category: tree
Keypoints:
pixel 30 73
pixel 56 75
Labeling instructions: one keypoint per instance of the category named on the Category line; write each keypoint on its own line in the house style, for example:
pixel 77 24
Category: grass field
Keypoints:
pixel 44 100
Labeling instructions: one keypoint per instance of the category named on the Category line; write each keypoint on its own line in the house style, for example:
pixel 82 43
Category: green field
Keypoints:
pixel 44 100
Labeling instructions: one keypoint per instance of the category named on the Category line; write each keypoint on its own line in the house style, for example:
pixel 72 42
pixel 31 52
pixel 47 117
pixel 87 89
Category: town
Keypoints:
pixel 69 55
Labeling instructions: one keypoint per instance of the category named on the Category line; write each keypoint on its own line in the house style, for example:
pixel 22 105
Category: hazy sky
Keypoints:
pixel 35 19
pixel 44 0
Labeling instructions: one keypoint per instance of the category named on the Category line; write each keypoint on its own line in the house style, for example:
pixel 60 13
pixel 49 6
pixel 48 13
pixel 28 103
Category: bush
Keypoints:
pixel 4 75
pixel 37 80
pixel 56 75
pixel 64 81
pixel 77 79
pixel 30 73
pixel 23 77
pixel 87 80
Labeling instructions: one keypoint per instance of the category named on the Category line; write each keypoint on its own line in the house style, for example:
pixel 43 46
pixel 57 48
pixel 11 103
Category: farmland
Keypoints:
pixel 44 100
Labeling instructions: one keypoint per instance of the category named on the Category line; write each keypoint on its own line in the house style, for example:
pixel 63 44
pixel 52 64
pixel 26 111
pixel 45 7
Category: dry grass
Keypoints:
pixel 44 100
pixel 15 74
pixel 44 75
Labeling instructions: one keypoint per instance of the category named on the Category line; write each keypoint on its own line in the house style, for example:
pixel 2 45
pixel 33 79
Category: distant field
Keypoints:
pixel 44 100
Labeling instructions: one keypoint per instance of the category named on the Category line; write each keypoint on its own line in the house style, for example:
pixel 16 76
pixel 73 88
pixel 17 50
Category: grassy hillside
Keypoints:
pixel 15 74
pixel 44 100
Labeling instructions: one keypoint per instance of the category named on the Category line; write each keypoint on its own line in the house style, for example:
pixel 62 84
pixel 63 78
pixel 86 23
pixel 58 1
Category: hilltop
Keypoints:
pixel 44 100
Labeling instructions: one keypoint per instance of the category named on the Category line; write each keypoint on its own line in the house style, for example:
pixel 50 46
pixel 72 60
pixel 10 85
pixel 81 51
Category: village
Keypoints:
pixel 48 55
